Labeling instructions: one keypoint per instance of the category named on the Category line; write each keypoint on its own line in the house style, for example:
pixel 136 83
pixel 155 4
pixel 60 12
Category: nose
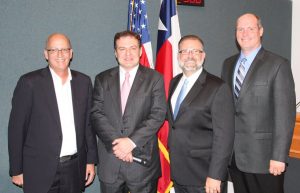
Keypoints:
pixel 59 53
pixel 190 54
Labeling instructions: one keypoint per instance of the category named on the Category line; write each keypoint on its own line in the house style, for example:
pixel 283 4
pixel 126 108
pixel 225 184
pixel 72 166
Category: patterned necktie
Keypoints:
pixel 241 73
pixel 180 97
pixel 125 91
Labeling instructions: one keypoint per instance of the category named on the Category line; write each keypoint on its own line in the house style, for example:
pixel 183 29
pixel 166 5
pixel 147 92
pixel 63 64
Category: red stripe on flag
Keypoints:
pixel 144 58
pixel 165 179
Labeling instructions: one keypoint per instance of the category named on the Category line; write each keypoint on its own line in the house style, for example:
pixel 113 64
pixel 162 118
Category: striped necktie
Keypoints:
pixel 241 73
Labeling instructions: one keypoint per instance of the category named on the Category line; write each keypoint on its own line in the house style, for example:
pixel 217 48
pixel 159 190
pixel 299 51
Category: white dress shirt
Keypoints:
pixel 65 107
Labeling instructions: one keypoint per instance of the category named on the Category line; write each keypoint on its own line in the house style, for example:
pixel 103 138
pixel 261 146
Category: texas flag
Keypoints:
pixel 166 64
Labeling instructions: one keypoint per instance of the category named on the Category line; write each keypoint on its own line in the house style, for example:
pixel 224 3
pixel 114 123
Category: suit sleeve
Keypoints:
pixel 18 125
pixel 284 111
pixel 223 132
pixel 100 122
pixel 92 155
pixel 149 127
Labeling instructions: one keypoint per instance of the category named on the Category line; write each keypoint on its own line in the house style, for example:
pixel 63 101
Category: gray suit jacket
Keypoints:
pixel 201 137
pixel 264 112
pixel 144 113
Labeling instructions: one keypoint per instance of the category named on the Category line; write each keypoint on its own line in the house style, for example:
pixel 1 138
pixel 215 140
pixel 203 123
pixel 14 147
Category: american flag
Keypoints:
pixel 138 23
pixel 166 64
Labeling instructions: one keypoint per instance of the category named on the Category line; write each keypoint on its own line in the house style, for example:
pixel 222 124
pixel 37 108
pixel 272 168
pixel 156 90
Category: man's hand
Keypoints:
pixel 122 147
pixel 128 158
pixel 276 167
pixel 212 185
pixel 89 174
pixel 18 180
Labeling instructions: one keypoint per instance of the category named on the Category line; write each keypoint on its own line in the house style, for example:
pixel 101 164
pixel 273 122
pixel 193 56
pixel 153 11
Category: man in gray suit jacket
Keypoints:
pixel 201 125
pixel 129 107
pixel 263 88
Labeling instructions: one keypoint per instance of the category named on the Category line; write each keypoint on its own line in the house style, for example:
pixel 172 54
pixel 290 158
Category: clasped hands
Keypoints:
pixel 122 149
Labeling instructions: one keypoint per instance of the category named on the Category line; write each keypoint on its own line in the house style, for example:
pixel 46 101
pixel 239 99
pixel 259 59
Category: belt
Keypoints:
pixel 67 158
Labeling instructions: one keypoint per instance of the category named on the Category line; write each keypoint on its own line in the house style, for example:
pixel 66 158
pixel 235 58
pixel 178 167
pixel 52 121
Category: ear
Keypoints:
pixel 46 54
pixel 116 54
pixel 203 55
pixel 261 31
pixel 71 53
pixel 141 51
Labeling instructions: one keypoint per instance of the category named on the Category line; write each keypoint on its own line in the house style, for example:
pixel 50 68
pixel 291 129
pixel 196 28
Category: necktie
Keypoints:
pixel 180 97
pixel 241 73
pixel 125 91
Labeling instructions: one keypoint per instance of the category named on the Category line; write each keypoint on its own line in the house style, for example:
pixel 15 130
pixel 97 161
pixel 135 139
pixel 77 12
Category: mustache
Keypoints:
pixel 189 60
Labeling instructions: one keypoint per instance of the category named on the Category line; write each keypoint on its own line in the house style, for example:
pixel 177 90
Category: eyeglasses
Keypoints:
pixel 192 51
pixel 56 50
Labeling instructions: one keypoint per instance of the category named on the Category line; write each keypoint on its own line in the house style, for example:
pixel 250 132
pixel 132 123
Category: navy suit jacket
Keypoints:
pixel 34 131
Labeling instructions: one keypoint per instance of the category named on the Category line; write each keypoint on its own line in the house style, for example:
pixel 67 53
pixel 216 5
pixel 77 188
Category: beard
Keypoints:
pixel 190 65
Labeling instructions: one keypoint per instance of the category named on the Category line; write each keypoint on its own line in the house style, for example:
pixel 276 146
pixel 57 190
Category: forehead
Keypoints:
pixel 58 40
pixel 246 20
pixel 127 41
pixel 190 43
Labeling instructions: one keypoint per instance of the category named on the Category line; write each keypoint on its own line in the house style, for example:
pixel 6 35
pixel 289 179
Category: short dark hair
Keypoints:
pixel 126 34
pixel 190 37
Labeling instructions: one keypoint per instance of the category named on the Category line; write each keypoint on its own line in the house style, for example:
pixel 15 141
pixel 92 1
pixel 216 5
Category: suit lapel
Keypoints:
pixel 251 72
pixel 50 97
pixel 231 72
pixel 172 90
pixel 75 93
pixel 114 88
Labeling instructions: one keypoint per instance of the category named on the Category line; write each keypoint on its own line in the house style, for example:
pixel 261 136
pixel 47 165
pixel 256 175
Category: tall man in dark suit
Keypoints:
pixel 129 107
pixel 52 148
pixel 263 88
pixel 201 123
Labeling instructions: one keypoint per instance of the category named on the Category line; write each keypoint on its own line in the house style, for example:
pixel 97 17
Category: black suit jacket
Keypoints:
pixel 264 112
pixel 201 137
pixel 34 131
pixel 144 113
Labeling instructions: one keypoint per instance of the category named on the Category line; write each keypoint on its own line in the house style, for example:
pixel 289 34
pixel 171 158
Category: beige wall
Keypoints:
pixel 295 59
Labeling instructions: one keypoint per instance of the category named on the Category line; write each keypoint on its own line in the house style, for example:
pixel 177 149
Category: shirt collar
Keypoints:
pixel 56 78
pixel 131 72
pixel 251 56
pixel 194 76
